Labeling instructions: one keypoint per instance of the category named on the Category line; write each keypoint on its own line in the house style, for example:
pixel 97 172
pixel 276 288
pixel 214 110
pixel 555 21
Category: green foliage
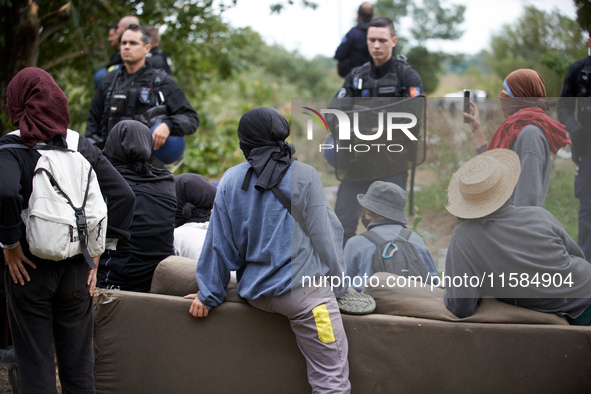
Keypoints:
pixel 432 21
pixel 223 71
pixel 264 76
pixel 428 65
pixel 72 49
pixel 393 9
pixel 467 72
pixel 556 62
pixel 276 8
pixel 560 200
pixel 433 197
pixel 213 150
pixel 545 42
pixel 422 233
pixel 583 13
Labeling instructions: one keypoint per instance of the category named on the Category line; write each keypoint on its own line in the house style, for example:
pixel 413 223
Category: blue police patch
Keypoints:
pixel 342 93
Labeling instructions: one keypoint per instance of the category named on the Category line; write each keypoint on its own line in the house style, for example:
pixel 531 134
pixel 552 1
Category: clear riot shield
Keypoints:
pixel 368 138
pixel 382 137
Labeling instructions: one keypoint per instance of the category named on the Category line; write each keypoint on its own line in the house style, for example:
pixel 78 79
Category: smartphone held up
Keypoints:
pixel 466 104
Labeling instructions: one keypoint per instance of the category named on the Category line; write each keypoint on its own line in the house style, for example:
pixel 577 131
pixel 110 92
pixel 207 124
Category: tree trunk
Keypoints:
pixel 20 48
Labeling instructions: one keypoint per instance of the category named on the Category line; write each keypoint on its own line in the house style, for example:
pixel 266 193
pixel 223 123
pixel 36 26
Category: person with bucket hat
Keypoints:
pixel 520 255
pixel 383 214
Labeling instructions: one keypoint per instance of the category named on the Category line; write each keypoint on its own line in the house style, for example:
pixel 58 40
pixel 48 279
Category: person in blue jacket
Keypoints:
pixel 353 52
pixel 253 233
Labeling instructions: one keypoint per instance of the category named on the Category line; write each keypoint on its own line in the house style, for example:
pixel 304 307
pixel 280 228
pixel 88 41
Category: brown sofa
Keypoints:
pixel 148 343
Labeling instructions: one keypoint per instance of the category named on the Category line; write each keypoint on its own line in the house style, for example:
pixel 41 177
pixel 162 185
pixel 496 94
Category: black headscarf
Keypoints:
pixel 128 148
pixel 262 132
pixel 194 199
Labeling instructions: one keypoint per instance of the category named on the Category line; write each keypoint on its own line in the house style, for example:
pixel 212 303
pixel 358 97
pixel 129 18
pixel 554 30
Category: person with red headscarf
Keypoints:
pixel 527 130
pixel 50 302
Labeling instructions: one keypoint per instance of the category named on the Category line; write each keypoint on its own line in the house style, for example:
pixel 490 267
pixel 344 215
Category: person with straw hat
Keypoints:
pixel 520 255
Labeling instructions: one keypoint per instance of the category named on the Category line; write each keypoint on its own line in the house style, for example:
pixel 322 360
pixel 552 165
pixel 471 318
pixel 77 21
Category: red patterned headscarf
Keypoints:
pixel 37 106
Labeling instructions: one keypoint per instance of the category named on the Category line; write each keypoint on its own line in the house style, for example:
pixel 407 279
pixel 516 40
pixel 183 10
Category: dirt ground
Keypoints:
pixel 5 387
pixel 441 225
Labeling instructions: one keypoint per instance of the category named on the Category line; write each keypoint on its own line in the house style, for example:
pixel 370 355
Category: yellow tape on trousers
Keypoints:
pixel 323 324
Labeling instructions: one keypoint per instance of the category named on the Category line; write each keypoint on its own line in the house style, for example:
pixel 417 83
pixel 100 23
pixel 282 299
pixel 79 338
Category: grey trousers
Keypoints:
pixel 320 335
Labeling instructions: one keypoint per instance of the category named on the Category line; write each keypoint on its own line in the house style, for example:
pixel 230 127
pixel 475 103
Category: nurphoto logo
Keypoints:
pixel 396 122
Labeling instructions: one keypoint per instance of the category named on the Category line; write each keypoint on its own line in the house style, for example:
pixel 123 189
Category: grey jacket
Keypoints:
pixel 520 255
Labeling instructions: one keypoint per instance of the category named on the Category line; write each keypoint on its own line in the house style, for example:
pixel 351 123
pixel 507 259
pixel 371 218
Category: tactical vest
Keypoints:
pixel 131 101
pixel 389 85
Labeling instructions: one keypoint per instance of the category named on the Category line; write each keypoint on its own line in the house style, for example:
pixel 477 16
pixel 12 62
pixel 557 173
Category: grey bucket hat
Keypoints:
pixel 386 199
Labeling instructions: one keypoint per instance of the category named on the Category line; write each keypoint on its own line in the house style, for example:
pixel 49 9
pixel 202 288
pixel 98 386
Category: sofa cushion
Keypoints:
pixel 175 275
pixel 149 344
pixel 417 301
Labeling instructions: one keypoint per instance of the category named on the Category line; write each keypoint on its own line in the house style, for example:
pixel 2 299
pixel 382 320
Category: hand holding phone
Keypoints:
pixel 466 104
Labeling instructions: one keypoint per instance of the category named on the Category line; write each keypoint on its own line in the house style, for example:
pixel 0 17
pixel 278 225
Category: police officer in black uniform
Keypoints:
pixel 383 76
pixel 352 52
pixel 140 92
pixel 578 84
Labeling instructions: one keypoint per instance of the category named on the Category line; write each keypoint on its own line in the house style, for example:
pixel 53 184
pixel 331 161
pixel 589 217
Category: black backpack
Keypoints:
pixel 397 256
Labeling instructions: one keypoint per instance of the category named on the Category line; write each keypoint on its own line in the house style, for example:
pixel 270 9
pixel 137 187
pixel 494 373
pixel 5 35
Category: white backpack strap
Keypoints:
pixel 72 138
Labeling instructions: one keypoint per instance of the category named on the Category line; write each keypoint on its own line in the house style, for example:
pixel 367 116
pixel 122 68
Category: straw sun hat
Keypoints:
pixel 483 184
